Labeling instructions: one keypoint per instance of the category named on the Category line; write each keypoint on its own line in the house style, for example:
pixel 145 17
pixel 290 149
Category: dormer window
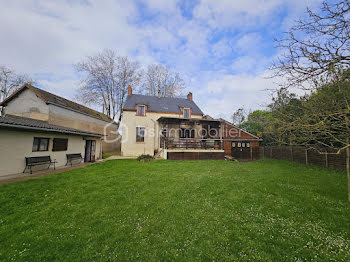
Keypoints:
pixel 141 110
pixel 187 112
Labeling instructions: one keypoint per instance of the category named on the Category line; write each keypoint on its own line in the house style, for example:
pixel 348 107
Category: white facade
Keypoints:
pixel 129 145
pixel 17 144
pixel 28 104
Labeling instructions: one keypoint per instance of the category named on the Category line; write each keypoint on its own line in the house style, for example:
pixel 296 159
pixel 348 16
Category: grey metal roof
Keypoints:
pixel 33 124
pixel 162 104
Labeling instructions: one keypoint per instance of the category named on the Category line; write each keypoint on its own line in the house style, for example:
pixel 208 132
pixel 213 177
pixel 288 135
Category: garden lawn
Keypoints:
pixel 124 210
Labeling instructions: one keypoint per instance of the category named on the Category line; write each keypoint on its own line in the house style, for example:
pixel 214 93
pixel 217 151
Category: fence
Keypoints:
pixel 305 156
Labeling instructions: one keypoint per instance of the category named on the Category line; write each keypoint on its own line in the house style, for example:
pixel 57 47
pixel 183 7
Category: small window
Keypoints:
pixel 233 144
pixel 164 132
pixel 238 144
pixel 186 113
pixel 140 134
pixel 60 144
pixel 141 110
pixel 243 144
pixel 248 144
pixel 40 144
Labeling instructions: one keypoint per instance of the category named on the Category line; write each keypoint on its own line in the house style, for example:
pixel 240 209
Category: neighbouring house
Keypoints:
pixel 35 122
pixel 175 128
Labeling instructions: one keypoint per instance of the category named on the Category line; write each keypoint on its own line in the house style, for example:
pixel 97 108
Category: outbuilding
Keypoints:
pixel 22 137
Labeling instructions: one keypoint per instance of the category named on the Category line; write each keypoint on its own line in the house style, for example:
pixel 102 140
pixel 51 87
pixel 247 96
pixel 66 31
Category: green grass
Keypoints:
pixel 124 210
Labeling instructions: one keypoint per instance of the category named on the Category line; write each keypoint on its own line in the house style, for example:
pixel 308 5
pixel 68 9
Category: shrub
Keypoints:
pixel 145 158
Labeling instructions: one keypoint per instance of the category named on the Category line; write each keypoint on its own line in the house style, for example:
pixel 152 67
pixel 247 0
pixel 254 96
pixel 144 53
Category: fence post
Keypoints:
pixel 263 152
pixel 326 156
pixel 306 157
pixel 251 153
pixel 291 153
pixel 271 152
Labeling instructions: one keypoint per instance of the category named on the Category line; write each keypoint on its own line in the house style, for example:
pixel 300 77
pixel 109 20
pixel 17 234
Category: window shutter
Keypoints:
pixel 60 144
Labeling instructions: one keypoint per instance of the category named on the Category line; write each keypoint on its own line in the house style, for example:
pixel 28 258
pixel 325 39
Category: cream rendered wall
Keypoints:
pixel 68 118
pixel 129 146
pixel 15 145
pixel 27 104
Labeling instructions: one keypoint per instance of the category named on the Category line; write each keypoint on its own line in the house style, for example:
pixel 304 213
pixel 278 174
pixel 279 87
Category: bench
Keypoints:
pixel 72 157
pixel 39 160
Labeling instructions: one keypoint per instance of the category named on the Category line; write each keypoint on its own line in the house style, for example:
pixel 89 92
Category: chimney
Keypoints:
pixel 129 90
pixel 158 93
pixel 189 96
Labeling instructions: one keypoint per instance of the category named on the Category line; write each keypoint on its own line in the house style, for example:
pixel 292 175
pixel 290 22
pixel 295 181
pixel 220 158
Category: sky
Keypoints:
pixel 221 48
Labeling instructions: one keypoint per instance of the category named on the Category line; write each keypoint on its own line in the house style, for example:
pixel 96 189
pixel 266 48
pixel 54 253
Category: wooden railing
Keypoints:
pixel 189 143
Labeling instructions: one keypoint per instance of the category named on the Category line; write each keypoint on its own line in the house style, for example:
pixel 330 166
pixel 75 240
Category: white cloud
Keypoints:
pixel 44 38
pixel 223 95
pixel 234 13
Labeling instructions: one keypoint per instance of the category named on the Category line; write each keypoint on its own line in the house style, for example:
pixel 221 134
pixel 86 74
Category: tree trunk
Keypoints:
pixel 348 155
pixel 348 167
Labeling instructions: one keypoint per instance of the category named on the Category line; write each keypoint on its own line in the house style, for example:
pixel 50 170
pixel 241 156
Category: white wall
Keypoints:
pixel 27 104
pixel 129 146
pixel 15 145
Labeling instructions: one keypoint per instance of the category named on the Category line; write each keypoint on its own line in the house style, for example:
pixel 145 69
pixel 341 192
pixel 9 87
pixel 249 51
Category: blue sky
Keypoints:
pixel 222 48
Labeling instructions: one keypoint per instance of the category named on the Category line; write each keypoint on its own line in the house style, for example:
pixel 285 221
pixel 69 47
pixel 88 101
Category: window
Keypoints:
pixel 140 134
pixel 233 144
pixel 248 144
pixel 141 110
pixel 186 133
pixel 243 144
pixel 238 144
pixel 40 144
pixel 164 132
pixel 187 113
pixel 60 144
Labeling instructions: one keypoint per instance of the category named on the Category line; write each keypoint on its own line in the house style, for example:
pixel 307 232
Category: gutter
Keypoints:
pixel 50 130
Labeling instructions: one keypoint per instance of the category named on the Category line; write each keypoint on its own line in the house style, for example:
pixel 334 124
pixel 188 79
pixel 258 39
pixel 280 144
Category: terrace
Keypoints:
pixel 191 138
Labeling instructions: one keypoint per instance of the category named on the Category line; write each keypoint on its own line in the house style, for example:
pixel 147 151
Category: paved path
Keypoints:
pixel 119 157
pixel 21 177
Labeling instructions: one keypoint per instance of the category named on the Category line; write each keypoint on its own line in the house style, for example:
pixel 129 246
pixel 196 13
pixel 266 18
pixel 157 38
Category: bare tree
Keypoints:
pixel 238 116
pixel 315 54
pixel 315 47
pixel 10 81
pixel 106 77
pixel 160 79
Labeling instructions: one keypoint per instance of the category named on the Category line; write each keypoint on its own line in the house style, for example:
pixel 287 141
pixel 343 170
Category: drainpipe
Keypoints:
pixel 154 138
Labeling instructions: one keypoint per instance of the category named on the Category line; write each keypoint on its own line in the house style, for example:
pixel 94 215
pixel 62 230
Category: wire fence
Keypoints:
pixel 305 156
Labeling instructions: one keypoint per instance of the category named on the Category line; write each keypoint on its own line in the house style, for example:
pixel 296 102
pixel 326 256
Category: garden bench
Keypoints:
pixel 72 157
pixel 39 160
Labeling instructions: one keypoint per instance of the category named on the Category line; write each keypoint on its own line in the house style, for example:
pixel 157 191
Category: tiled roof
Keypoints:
pixel 162 104
pixel 50 98
pixel 33 124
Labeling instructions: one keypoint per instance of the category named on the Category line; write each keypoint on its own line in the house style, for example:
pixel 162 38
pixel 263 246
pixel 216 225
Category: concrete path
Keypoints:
pixel 21 177
pixel 119 157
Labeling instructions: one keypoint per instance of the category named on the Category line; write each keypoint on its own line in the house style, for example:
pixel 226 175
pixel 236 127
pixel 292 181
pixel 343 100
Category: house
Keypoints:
pixel 35 122
pixel 173 128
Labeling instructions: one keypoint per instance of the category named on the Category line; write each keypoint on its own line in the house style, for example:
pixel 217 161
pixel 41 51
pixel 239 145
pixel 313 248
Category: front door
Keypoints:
pixel 90 148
